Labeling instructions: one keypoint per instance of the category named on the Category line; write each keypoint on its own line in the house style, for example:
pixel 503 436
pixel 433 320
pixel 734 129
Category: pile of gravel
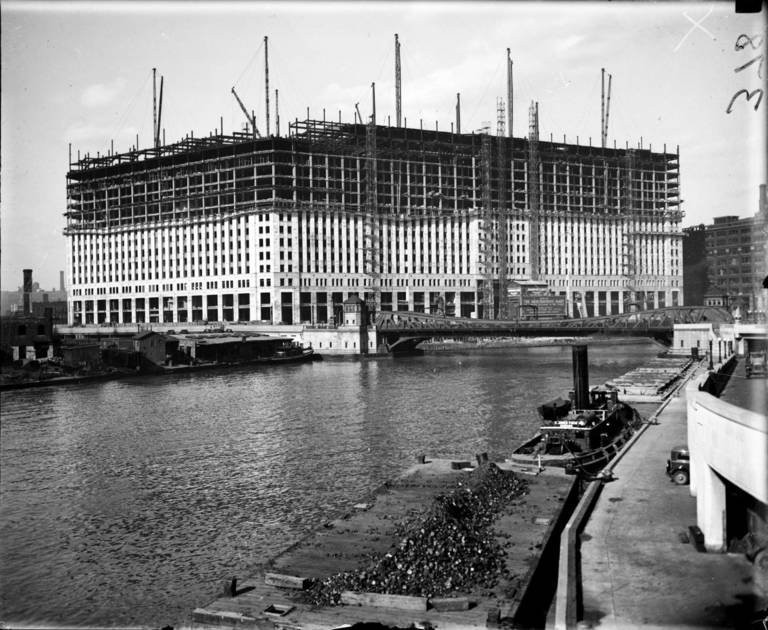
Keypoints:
pixel 450 549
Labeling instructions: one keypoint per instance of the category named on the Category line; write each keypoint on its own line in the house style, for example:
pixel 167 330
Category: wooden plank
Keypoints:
pixel 286 581
pixel 444 604
pixel 202 615
pixel 401 602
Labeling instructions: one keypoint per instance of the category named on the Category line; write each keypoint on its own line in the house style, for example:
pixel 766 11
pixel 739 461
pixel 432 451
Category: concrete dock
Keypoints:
pixel 639 566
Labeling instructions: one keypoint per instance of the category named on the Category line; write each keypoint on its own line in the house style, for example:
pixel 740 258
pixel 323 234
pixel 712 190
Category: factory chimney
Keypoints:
pixel 27 292
pixel 61 280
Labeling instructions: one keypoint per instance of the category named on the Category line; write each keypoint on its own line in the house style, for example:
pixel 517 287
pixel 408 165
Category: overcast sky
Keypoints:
pixel 82 74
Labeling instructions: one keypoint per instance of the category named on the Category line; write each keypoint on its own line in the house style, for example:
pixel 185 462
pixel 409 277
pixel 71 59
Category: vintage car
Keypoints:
pixel 679 465
pixel 756 364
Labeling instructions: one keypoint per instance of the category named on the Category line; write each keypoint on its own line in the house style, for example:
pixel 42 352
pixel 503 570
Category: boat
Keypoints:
pixel 581 434
pixel 292 353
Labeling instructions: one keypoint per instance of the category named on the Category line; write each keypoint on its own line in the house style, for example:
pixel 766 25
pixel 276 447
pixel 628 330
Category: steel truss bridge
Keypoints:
pixel 402 331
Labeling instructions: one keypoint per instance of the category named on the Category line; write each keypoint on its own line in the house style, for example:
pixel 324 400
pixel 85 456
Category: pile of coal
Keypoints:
pixel 452 548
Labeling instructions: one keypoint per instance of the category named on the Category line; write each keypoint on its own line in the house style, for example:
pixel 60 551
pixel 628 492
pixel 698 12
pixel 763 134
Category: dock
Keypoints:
pixel 640 565
pixel 414 553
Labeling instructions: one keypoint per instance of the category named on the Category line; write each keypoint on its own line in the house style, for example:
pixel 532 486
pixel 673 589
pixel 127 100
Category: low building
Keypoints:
pixel 151 346
pixel 81 356
pixel 26 337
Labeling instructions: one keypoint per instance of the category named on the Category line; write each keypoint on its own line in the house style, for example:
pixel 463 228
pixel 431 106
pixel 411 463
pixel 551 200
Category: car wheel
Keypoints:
pixel 680 477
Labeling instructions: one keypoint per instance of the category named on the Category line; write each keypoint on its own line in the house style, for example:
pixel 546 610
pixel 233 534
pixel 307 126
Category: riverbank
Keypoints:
pixel 24 380
pixel 490 343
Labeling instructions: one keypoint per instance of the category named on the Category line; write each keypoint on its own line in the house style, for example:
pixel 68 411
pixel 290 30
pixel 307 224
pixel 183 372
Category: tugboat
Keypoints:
pixel 293 352
pixel 582 434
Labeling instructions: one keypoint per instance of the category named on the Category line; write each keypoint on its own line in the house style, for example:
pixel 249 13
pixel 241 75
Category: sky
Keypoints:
pixel 81 74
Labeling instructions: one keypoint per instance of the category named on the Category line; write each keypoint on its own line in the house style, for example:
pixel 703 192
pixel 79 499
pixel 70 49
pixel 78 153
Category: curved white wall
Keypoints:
pixel 726 442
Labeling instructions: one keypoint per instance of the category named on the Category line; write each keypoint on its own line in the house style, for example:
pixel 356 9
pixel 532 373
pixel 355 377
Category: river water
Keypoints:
pixel 131 502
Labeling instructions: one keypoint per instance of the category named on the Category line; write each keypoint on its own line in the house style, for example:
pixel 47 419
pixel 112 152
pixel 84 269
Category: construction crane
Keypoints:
pixel 250 118
pixel 157 112
pixel 605 107
pixel 510 95
pixel 266 80
pixel 398 93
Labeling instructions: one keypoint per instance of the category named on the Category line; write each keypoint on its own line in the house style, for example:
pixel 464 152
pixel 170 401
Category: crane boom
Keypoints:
pixel 251 119
pixel 159 115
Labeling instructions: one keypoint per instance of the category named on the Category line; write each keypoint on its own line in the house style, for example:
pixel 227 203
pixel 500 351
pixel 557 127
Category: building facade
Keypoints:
pixel 727 261
pixel 285 229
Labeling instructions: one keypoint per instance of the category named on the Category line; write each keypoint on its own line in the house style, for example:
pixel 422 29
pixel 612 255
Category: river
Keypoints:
pixel 131 502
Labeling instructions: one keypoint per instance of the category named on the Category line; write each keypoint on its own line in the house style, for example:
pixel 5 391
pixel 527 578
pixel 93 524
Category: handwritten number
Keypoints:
pixel 754 42
pixel 749 63
pixel 749 95
pixel 742 41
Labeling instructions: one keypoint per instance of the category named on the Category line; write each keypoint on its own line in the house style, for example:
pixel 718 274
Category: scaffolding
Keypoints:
pixel 382 173
pixel 534 187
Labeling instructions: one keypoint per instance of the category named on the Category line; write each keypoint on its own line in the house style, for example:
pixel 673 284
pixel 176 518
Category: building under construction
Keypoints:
pixel 285 228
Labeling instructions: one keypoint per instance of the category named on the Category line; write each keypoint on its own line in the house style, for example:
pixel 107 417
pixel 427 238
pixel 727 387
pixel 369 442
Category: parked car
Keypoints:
pixel 756 364
pixel 679 465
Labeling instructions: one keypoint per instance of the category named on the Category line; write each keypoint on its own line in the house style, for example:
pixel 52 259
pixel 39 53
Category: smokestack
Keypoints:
pixel 27 291
pixel 61 280
pixel 580 377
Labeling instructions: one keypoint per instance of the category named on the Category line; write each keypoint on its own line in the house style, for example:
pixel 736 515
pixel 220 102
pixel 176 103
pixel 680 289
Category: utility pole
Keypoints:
pixel 266 79
pixel 398 94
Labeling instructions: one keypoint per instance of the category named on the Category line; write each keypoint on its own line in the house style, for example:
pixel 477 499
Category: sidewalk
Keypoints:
pixel 635 570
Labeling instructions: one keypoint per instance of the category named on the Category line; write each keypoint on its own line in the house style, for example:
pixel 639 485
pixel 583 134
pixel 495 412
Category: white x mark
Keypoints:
pixel 696 24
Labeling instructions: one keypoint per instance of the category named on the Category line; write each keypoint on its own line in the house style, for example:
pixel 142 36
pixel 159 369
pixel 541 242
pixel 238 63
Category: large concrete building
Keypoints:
pixel 725 263
pixel 284 229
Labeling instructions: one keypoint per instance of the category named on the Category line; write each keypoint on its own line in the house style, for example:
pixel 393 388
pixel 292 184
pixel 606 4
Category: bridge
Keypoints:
pixel 402 331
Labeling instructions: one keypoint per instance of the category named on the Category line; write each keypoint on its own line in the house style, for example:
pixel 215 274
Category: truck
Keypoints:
pixel 756 364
